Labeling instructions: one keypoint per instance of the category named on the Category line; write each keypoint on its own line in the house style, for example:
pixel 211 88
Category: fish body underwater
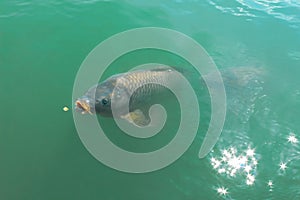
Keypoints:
pixel 131 94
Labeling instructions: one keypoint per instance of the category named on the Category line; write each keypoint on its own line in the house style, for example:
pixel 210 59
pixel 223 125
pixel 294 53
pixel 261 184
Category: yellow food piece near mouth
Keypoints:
pixel 65 109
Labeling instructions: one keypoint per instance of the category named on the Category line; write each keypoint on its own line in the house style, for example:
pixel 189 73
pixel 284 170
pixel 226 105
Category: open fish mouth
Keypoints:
pixel 83 106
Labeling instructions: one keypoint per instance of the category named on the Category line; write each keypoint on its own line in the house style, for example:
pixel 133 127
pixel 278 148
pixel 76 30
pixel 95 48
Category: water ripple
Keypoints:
pixel 287 10
pixel 17 8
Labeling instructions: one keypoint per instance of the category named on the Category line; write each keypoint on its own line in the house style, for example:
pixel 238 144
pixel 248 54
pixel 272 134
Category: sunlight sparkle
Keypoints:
pixel 270 183
pixel 222 191
pixel 283 166
pixel 250 152
pixel 292 139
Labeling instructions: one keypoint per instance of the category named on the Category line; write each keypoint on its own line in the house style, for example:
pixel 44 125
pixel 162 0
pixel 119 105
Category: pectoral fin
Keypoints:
pixel 137 118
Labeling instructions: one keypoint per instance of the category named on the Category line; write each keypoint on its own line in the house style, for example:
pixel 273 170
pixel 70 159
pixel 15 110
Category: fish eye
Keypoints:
pixel 104 101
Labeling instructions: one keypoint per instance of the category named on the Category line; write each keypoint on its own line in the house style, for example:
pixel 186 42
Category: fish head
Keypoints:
pixel 86 103
pixel 111 94
pixel 95 100
pixel 99 99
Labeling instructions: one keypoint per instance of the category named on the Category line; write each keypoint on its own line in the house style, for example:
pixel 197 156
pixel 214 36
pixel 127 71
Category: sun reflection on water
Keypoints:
pixel 241 163
pixel 232 162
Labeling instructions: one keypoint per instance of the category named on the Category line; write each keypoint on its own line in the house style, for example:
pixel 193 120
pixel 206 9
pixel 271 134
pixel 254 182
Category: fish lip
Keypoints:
pixel 79 105
pixel 83 107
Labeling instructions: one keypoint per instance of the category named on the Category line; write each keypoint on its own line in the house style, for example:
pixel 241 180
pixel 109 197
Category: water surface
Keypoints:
pixel 42 45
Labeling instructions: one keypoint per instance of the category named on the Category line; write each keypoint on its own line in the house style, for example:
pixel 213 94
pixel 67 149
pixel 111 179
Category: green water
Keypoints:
pixel 42 45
